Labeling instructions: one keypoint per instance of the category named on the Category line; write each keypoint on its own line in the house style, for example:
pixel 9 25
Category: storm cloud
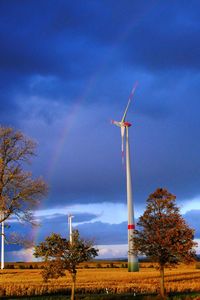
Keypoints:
pixel 67 69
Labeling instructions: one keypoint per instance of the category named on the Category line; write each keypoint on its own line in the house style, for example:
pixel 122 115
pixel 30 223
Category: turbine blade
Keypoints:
pixel 129 100
pixel 116 123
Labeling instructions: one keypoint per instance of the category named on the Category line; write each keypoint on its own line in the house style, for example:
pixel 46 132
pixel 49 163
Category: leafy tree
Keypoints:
pixel 163 234
pixel 19 192
pixel 60 254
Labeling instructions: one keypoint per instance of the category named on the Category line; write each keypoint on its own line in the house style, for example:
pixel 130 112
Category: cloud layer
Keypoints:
pixel 67 68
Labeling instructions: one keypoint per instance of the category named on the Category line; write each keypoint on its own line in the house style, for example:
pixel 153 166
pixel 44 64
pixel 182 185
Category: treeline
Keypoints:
pixel 23 266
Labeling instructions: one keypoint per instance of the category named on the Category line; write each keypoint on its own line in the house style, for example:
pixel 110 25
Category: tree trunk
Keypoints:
pixel 162 284
pixel 73 286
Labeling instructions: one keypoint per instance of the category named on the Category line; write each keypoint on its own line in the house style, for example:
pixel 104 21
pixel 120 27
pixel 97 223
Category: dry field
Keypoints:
pixel 18 282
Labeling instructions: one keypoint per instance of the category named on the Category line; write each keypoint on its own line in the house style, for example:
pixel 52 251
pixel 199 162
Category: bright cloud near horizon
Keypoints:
pixel 67 69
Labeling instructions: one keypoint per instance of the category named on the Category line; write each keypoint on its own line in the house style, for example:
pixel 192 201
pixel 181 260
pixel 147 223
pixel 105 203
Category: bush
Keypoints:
pixel 112 265
pixel 11 266
pixel 22 267
pixel 36 266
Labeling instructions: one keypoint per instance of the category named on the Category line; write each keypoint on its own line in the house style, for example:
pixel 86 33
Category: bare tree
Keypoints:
pixel 163 234
pixel 60 254
pixel 19 192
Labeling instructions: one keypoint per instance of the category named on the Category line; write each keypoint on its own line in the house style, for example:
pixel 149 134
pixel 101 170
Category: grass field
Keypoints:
pixel 99 278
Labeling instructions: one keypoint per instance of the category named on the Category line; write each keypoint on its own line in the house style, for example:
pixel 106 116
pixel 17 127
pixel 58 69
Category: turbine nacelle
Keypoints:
pixel 121 124
pixel 127 124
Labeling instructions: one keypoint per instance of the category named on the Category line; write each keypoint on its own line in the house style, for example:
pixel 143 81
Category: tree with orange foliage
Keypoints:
pixel 60 254
pixel 19 192
pixel 163 234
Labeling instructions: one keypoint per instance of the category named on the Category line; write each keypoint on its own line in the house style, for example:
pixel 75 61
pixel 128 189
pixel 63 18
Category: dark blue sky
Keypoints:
pixel 67 68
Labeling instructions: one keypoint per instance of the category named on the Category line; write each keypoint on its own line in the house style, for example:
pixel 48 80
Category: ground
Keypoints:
pixel 100 277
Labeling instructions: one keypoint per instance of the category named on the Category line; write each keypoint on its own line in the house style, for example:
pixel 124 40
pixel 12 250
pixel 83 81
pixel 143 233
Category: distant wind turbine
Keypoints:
pixel 70 227
pixel 133 265
pixel 2 242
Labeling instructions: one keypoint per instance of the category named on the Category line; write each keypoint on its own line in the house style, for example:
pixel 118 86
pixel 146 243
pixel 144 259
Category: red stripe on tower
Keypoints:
pixel 131 226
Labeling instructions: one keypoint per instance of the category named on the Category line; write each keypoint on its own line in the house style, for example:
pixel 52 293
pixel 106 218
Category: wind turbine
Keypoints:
pixel 133 265
pixel 2 243
pixel 70 227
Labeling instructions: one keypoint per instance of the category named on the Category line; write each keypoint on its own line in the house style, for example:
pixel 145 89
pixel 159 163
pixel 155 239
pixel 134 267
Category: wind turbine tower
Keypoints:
pixel 2 243
pixel 70 227
pixel 133 265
